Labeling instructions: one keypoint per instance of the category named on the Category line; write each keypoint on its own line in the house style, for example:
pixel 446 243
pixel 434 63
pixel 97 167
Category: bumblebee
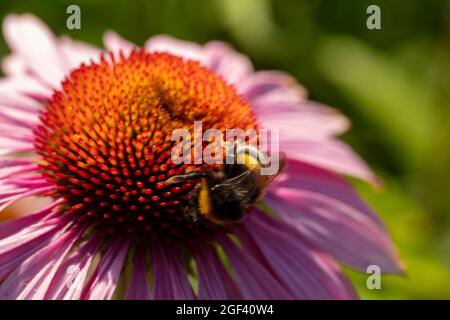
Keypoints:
pixel 224 195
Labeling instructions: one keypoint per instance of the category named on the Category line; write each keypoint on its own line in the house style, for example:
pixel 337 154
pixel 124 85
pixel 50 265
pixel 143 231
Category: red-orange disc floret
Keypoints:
pixel 106 142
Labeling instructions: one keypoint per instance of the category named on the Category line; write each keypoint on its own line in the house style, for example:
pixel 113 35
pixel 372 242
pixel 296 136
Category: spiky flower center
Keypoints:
pixel 106 142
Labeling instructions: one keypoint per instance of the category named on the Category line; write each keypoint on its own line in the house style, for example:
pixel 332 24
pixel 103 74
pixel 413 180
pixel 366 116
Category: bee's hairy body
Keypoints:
pixel 221 202
pixel 224 195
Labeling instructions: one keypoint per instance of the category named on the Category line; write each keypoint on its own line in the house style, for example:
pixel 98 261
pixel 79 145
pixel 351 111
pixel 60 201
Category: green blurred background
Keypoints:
pixel 393 83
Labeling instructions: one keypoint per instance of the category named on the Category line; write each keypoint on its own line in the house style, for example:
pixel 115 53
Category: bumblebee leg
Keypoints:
pixel 191 210
pixel 182 178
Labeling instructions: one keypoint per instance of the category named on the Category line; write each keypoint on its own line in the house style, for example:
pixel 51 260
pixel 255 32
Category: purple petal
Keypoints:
pixel 217 56
pixel 329 154
pixel 29 182
pixel 302 176
pixel 14 132
pixel 68 281
pixel 78 52
pixel 325 209
pixel 10 196
pixel 308 122
pixel 262 87
pixel 18 117
pixel 115 43
pixel 223 59
pixel 104 281
pixel 34 42
pixel 17 248
pixel 299 267
pixel 280 100
pixel 10 167
pixel 24 232
pixel 138 288
pixel 253 279
pixel 16 92
pixel 33 278
pixel 181 48
pixel 8 141
pixel 13 64
pixel 9 145
pixel 170 275
pixel 214 282
pixel 13 226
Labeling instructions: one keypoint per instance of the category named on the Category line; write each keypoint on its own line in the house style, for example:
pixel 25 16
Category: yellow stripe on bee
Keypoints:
pixel 250 161
pixel 204 203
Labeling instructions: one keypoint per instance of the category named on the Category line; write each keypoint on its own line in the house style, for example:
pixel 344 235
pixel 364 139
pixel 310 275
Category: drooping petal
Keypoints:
pixel 7 197
pixel 329 154
pixel 18 247
pixel 279 100
pixel 29 182
pixel 306 130
pixel 104 281
pixel 18 116
pixel 254 280
pixel 13 226
pixel 13 145
pixel 309 122
pixel 214 282
pixel 216 56
pixel 302 176
pixel 16 91
pixel 165 43
pixel 35 43
pixel 234 67
pixel 23 119
pixel 115 43
pixel 69 280
pixel 14 132
pixel 78 52
pixel 324 208
pixel 138 288
pixel 169 275
pixel 15 163
pixel 264 86
pixel 34 276
pixel 20 174
pixel 13 64
pixel 297 265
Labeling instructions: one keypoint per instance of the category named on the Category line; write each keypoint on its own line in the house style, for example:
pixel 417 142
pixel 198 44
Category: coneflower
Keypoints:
pixel 92 131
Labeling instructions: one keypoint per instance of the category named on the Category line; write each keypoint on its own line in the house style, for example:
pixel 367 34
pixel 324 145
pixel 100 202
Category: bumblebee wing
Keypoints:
pixel 250 185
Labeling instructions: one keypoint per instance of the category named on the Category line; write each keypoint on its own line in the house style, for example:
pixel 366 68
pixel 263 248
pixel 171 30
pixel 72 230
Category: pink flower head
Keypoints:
pixel 91 131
